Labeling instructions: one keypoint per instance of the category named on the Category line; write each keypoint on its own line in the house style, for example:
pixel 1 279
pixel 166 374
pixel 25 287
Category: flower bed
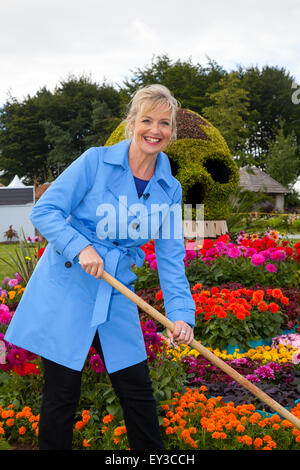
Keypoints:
pixel 199 406
pixel 251 260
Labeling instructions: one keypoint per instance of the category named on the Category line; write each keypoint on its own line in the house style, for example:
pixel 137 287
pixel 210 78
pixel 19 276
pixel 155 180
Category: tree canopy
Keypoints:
pixel 42 134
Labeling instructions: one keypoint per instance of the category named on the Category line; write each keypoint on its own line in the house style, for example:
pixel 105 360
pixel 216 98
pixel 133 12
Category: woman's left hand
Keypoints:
pixel 182 332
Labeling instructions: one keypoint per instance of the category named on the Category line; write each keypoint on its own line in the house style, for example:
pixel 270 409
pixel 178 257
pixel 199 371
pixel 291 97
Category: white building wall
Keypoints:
pixel 18 217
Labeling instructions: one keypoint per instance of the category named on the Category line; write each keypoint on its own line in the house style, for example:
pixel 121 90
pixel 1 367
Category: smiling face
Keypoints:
pixel 152 131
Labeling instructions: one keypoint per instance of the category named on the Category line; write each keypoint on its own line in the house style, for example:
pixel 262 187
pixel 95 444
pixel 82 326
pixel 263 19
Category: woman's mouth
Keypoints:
pixel 152 140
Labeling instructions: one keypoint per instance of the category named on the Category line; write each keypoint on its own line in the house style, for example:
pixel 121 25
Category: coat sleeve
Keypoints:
pixel 49 215
pixel 170 253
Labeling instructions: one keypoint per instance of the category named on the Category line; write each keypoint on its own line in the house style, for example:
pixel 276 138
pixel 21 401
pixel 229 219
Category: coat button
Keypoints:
pixel 68 264
pixel 116 243
pixel 135 225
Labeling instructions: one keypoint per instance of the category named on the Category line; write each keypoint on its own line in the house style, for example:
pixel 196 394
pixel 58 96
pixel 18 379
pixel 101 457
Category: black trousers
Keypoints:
pixel 61 394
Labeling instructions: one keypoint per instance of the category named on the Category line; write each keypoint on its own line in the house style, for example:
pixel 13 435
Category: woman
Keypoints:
pixel 89 218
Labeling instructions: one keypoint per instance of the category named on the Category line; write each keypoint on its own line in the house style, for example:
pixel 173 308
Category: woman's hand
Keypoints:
pixel 182 332
pixel 91 262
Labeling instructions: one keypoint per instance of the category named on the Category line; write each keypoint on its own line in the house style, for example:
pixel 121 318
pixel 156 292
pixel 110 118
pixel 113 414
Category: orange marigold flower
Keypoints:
pixel 210 427
pixel 258 442
pixel 8 414
pixel 276 426
pixel 10 422
pixel 170 430
pixel 119 430
pixel 287 424
pixel 85 443
pixel 240 428
pixel 22 430
pixel 108 418
pixel 254 418
pixel 79 425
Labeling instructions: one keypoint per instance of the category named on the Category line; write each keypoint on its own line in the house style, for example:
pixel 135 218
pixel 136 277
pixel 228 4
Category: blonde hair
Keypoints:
pixel 147 99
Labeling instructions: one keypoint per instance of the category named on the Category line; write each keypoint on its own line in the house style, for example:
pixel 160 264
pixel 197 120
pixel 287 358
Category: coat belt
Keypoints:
pixel 111 260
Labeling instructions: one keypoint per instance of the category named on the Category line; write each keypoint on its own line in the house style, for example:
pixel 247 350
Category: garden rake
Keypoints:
pixel 203 351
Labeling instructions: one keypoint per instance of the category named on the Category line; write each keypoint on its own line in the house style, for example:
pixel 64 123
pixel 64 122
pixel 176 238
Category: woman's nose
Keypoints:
pixel 155 128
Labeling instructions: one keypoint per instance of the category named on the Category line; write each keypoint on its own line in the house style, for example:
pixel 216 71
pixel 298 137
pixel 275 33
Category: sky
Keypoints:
pixel 43 41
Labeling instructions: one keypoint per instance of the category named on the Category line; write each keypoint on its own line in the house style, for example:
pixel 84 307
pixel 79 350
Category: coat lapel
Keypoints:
pixel 158 190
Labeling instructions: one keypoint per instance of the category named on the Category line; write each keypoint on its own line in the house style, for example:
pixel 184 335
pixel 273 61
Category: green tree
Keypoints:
pixel 22 138
pixel 229 112
pixel 187 81
pixel 43 134
pixel 282 161
pixel 270 100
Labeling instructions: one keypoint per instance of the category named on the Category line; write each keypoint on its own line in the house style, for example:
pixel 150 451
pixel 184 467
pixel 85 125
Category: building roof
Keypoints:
pixel 39 190
pixel 254 179
pixel 16 183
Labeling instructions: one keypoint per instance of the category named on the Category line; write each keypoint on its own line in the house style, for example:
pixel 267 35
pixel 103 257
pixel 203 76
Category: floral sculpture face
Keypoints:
pixel 200 159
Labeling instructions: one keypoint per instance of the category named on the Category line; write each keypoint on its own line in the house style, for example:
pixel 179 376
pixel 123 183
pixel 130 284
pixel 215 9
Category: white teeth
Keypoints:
pixel 152 140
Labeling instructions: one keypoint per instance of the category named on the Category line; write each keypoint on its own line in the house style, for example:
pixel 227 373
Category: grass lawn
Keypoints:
pixel 6 270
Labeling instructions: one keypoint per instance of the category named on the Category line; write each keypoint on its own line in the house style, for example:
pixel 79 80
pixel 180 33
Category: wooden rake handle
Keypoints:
pixel 203 351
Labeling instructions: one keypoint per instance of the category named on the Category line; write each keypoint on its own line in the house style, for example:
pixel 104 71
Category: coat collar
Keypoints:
pixel 118 155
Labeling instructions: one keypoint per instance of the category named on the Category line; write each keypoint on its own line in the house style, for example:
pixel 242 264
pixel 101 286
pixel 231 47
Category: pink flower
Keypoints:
pixel 278 255
pixel 16 356
pixel 234 252
pixel 211 251
pixel 96 364
pixel 3 308
pixel 257 259
pixel 13 282
pixel 192 246
pixel 190 254
pixel 250 252
pixel 296 358
pixel 5 317
pixel 153 264
pixel 221 246
pixel 271 268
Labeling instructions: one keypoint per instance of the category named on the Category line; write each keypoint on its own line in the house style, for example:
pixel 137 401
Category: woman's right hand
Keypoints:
pixel 91 262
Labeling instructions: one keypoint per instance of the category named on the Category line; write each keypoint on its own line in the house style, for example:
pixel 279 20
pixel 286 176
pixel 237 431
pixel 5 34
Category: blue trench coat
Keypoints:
pixel 62 306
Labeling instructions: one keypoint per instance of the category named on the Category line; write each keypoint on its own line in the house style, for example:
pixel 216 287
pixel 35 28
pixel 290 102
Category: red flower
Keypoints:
pixel 273 307
pixel 289 251
pixel 159 295
pixel 40 252
pixel 207 244
pixel 223 238
pixel 148 248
